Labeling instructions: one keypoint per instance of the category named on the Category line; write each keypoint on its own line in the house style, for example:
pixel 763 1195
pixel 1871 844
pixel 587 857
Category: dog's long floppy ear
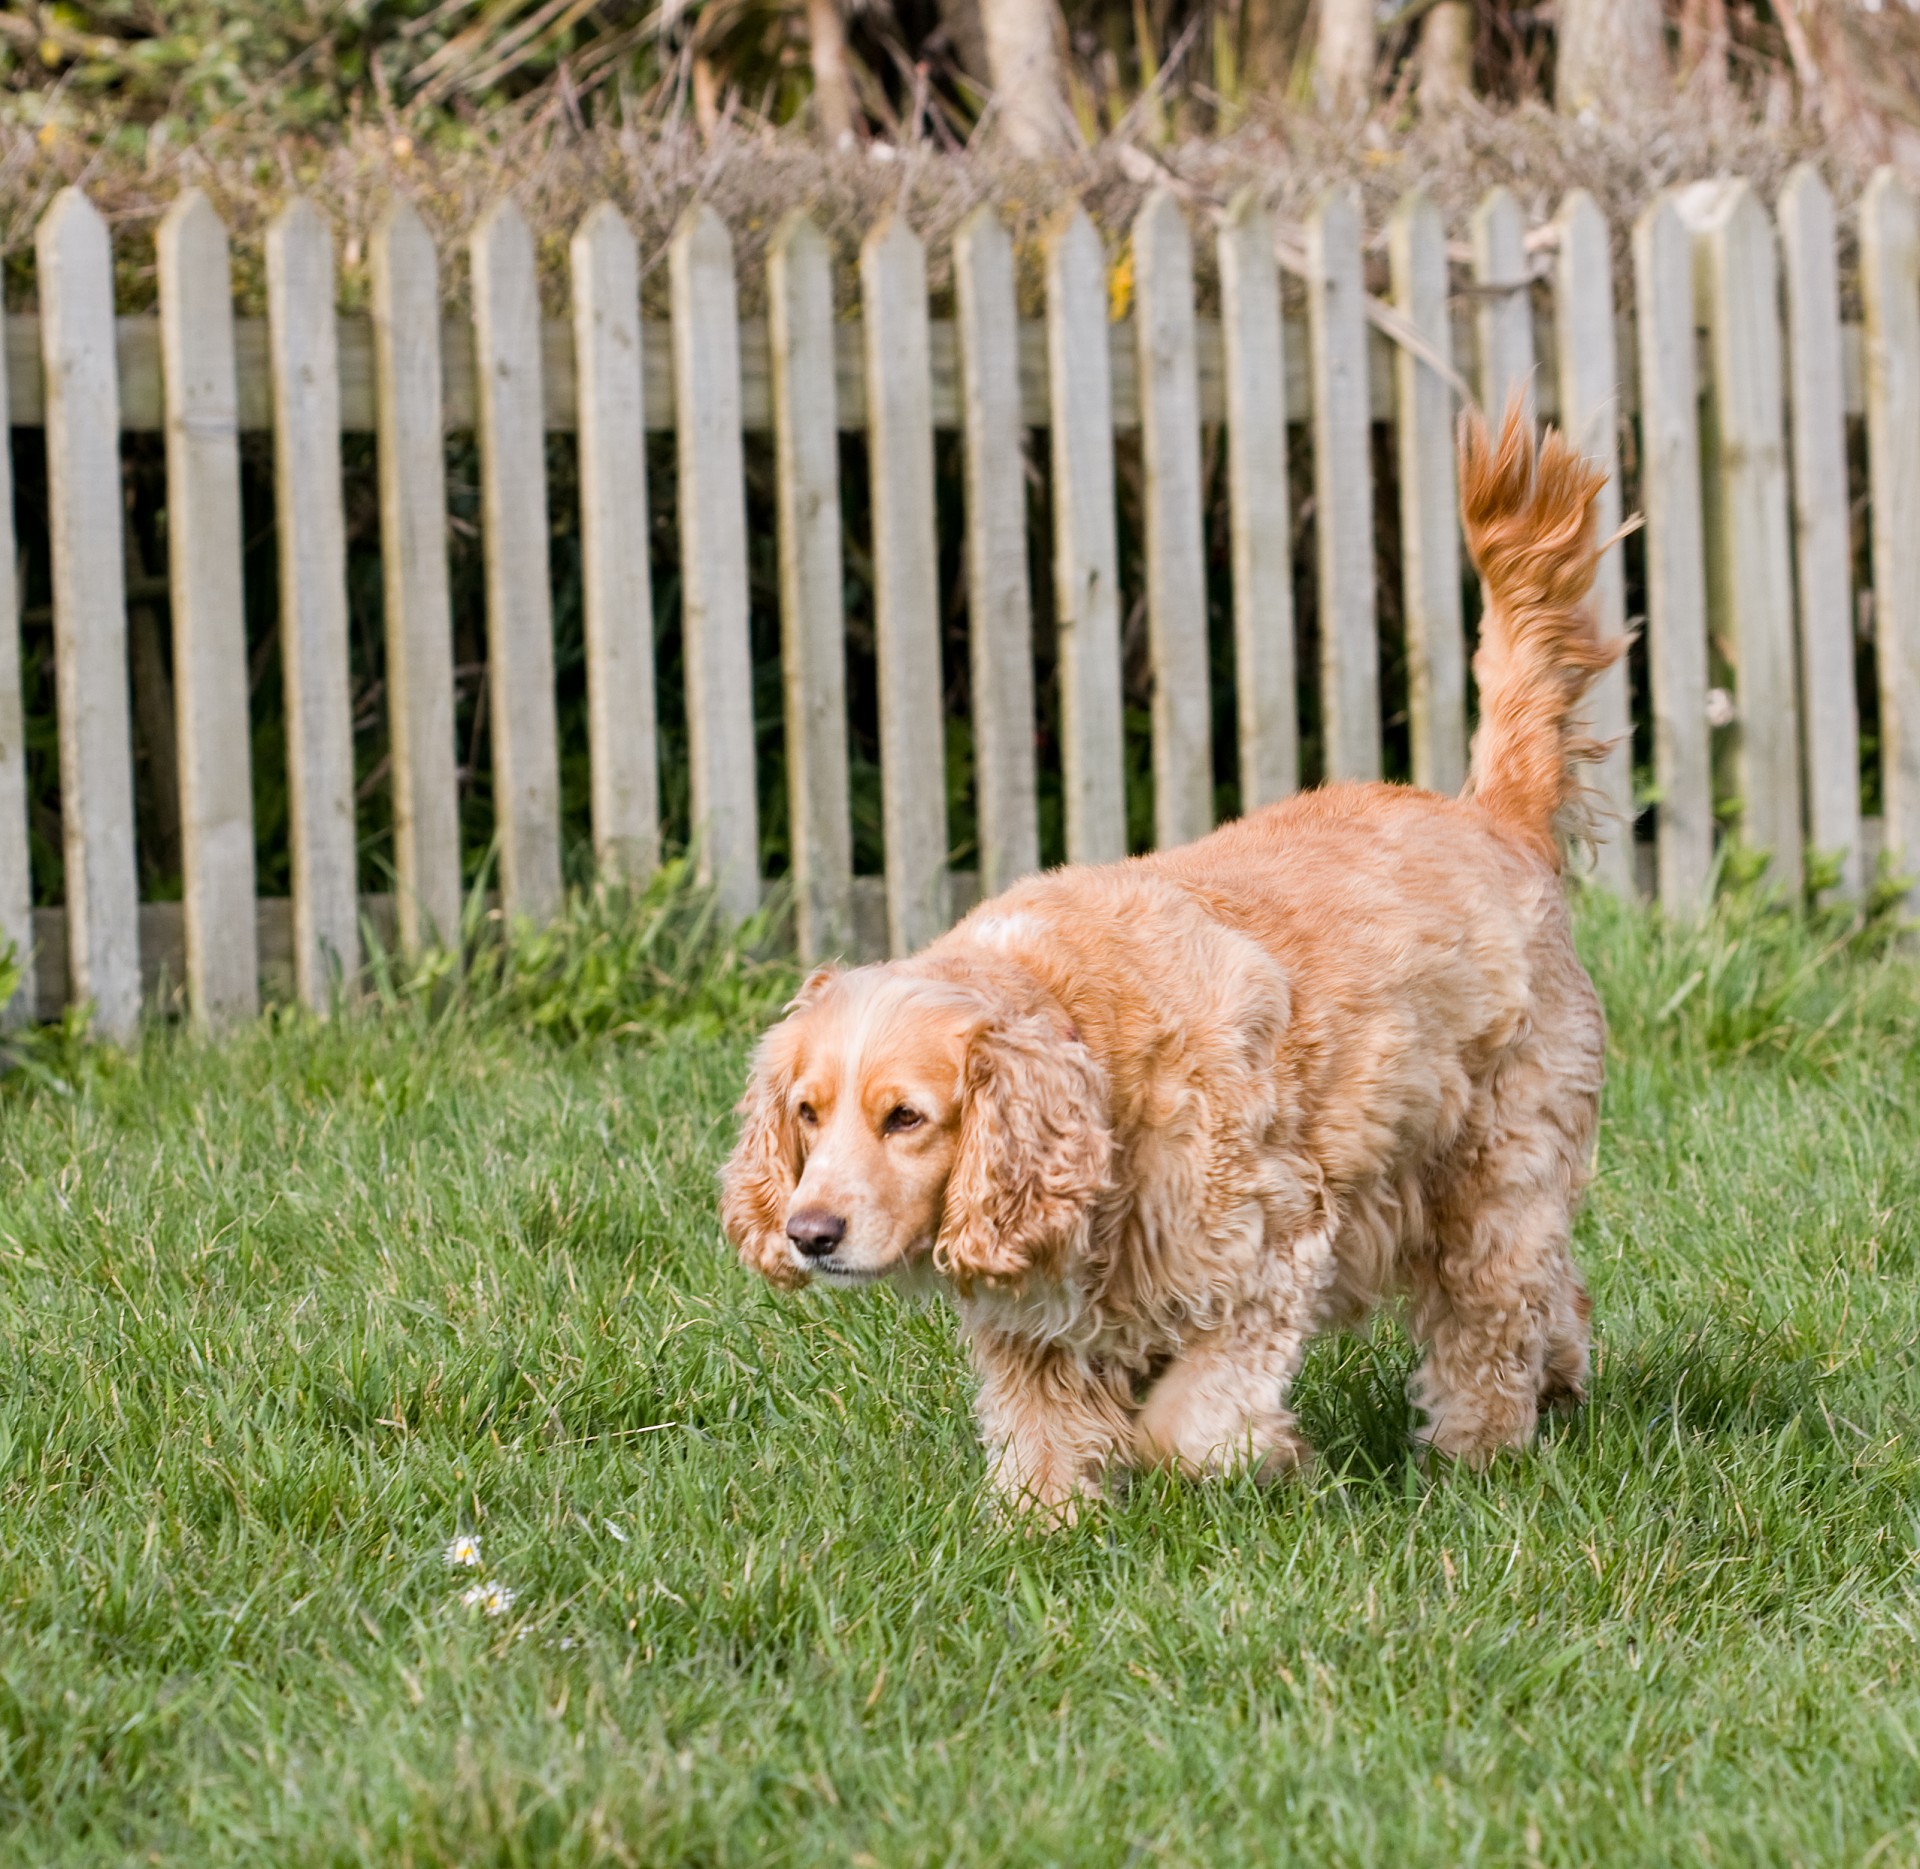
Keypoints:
pixel 760 1174
pixel 1034 1152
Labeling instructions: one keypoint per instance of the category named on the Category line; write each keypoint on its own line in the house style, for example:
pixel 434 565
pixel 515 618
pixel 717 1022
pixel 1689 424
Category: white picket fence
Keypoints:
pixel 1741 391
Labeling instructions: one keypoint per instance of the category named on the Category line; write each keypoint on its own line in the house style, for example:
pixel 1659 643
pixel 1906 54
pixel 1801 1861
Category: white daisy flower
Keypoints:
pixel 464 1553
pixel 494 1598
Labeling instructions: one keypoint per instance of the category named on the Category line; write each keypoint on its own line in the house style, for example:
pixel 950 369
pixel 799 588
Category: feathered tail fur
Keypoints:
pixel 1529 522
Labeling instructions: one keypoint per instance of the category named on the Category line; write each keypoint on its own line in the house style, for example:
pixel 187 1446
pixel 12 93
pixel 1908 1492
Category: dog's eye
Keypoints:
pixel 809 1115
pixel 900 1119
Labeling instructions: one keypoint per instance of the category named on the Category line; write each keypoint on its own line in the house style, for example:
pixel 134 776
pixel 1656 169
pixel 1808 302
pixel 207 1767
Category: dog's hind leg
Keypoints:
pixel 1498 1303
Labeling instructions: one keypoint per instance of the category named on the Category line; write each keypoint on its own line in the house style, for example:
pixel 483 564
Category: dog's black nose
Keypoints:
pixel 816 1232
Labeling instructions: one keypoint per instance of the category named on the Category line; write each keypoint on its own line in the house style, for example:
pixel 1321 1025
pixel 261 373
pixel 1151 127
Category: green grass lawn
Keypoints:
pixel 281 1316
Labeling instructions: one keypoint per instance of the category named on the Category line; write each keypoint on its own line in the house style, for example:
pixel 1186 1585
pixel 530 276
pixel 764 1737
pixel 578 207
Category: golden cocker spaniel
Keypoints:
pixel 1152 1125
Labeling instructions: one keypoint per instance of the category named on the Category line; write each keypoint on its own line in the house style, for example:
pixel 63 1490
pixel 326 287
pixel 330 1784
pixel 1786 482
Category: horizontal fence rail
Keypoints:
pixel 143 393
pixel 1722 362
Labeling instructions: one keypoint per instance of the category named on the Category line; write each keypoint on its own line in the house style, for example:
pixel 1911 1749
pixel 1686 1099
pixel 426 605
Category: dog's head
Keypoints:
pixel 892 1117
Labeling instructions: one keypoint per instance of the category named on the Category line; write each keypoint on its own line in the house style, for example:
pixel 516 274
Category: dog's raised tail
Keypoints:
pixel 1529 519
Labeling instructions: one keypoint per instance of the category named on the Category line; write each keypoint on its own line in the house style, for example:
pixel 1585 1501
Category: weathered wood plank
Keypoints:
pixel 1503 320
pixel 615 573
pixel 1429 502
pixel 16 857
pixel 1890 287
pixel 813 621
pixel 1823 549
pixel 310 516
pixel 413 562
pixel 514 541
pixel 906 591
pixel 209 612
pixel 713 549
pixel 1343 491
pixel 999 608
pixel 1086 551
pixel 138 349
pixel 1736 283
pixel 1176 540
pixel 1589 374
pixel 1260 510
pixel 75 274
pixel 1676 576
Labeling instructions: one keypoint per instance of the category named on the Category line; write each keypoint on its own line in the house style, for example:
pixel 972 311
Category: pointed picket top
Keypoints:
pixel 1076 243
pixel 403 232
pixel 983 228
pixel 798 241
pixel 603 222
pixel 894 245
pixel 703 236
pixel 300 220
pixel 501 237
pixel 71 218
pixel 1160 229
pixel 193 226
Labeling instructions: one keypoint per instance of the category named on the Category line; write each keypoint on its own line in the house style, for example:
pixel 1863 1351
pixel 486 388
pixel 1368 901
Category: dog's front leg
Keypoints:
pixel 1052 1424
pixel 1221 1407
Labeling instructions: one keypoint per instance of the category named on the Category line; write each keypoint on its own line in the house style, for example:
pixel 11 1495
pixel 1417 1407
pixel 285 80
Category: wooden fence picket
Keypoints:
pixel 906 587
pixel 1890 287
pixel 75 267
pixel 1503 318
pixel 1823 546
pixel 1175 539
pixel 1343 491
pixel 713 548
pixel 209 613
pixel 1086 550
pixel 16 850
pixel 1590 415
pixel 514 539
pixel 999 607
pixel 813 623
pixel 310 518
pixel 413 562
pixel 1429 501
pixel 1260 510
pixel 1676 574
pixel 1737 286
pixel 615 574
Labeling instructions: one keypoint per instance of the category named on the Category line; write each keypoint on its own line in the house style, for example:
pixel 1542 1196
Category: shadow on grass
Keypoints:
pixel 1704 1376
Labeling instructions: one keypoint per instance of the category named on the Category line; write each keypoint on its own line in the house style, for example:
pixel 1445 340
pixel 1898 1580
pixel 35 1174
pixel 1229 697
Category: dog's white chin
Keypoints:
pixel 846 1278
pixel 911 1270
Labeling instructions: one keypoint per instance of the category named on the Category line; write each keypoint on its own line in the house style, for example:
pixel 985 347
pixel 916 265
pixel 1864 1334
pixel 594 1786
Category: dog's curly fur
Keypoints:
pixel 1153 1125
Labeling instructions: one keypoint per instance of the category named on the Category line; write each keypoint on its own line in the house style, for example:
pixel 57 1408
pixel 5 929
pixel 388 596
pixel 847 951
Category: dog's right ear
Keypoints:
pixel 761 1173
